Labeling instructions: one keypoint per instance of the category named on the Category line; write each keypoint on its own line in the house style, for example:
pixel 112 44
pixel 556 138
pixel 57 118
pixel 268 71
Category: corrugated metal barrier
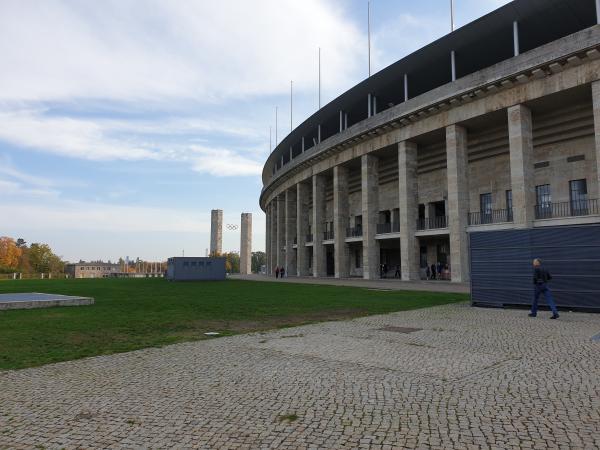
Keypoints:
pixel 501 265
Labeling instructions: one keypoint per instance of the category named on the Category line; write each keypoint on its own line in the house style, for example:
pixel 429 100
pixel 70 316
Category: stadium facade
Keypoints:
pixel 495 126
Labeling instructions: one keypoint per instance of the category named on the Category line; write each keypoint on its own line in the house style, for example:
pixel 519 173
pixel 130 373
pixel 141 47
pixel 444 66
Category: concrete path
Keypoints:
pixel 450 377
pixel 386 283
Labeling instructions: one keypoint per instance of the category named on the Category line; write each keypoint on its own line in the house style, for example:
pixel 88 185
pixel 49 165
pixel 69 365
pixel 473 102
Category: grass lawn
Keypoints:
pixel 130 314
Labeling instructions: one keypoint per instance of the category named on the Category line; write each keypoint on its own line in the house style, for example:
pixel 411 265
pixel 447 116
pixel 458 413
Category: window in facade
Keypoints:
pixel 579 197
pixel 543 198
pixel 357 258
pixel 509 206
pixel 485 205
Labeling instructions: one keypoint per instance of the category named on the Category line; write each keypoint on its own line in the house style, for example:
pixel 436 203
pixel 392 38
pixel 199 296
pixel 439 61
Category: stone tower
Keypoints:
pixel 246 244
pixel 216 232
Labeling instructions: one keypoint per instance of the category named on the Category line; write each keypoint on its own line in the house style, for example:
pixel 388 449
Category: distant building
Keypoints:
pixel 190 268
pixel 92 270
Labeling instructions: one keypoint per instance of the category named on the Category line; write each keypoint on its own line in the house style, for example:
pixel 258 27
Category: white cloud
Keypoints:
pixel 153 50
pixel 223 162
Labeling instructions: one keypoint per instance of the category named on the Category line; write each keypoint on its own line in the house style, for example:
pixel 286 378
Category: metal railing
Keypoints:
pixel 432 223
pixel 573 208
pixel 494 216
pixel 309 238
pixel 328 235
pixel 354 232
pixel 385 228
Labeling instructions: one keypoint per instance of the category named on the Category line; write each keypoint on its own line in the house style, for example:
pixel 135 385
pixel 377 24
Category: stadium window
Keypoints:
pixel 193 263
pixel 186 264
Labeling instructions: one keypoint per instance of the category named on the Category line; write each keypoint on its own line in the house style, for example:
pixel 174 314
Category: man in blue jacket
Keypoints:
pixel 540 280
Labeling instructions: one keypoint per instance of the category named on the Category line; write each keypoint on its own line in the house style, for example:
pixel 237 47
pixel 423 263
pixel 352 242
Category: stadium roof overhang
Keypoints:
pixel 479 44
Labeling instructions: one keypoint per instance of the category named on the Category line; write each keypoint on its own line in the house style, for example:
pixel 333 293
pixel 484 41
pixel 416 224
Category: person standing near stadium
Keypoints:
pixel 541 277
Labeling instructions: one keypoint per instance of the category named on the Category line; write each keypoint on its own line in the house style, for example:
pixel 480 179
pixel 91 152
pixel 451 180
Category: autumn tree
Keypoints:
pixel 259 259
pixel 10 254
pixel 232 262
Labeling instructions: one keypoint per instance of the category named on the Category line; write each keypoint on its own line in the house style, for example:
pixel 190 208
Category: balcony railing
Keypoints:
pixel 309 238
pixel 573 208
pixel 354 232
pixel 494 216
pixel 432 223
pixel 328 235
pixel 386 228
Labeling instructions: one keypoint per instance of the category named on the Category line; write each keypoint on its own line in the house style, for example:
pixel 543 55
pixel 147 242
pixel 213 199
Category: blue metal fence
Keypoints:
pixel 501 271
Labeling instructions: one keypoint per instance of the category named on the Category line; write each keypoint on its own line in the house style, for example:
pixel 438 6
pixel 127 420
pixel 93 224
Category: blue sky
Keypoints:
pixel 124 122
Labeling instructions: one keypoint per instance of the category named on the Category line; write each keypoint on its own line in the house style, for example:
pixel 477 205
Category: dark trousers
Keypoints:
pixel 539 290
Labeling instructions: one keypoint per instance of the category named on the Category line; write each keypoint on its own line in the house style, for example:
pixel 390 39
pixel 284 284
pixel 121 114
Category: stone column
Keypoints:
pixel 216 232
pixel 409 209
pixel 458 201
pixel 340 221
pixel 267 239
pixel 596 102
pixel 319 256
pixel 280 231
pixel 521 165
pixel 246 244
pixel 273 245
pixel 290 232
pixel 302 193
pixel 370 212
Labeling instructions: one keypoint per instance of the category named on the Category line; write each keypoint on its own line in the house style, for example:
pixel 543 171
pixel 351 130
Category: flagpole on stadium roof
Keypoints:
pixel 276 126
pixel 319 77
pixel 369 33
pixel 451 15
pixel 291 105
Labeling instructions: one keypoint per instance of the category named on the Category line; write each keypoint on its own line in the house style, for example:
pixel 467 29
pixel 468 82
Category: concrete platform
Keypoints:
pixel 31 300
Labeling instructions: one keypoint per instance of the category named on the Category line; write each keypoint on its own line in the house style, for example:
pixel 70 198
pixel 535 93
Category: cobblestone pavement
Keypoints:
pixel 468 379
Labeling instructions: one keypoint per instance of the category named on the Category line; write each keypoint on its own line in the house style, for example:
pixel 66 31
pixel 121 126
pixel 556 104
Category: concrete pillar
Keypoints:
pixel 302 197
pixel 268 239
pixel 458 201
pixel 596 102
pixel 340 221
pixel 216 232
pixel 319 265
pixel 246 244
pixel 273 235
pixel 290 231
pixel 280 230
pixel 521 165
pixel 409 209
pixel 370 212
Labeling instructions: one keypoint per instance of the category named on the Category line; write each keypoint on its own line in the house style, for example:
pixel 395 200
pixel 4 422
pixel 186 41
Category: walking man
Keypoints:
pixel 282 272
pixel 540 280
pixel 277 272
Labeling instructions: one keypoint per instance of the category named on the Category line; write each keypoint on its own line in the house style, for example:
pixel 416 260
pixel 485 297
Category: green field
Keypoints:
pixel 130 314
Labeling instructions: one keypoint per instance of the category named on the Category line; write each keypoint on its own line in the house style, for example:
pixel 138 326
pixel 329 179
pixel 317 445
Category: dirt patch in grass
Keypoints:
pixel 195 329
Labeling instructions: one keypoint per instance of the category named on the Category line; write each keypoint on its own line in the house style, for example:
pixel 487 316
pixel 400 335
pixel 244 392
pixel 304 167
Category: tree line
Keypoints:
pixel 17 256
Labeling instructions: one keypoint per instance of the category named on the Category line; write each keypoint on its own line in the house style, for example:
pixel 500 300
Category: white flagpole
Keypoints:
pixel 291 105
pixel 369 34
pixel 319 77
pixel 451 15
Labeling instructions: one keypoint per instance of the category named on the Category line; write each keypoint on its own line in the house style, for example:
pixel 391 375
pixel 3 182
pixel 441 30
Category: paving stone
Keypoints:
pixel 469 378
